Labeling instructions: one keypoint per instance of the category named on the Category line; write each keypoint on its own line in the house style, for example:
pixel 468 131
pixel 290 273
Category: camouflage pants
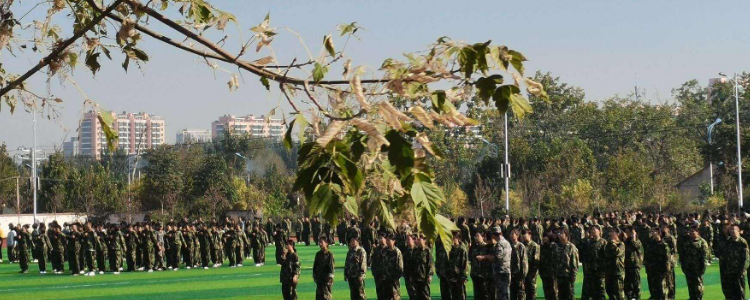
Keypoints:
pixel 390 289
pixel 73 264
pixel 205 256
pixel 530 285
pixel 323 290
pixel 422 290
pixel 101 261
pixel 238 251
pixel 549 286
pixel 517 289
pixel 23 259
pixel 695 285
pixel 633 283
pixel 57 260
pixel 657 284
pixel 357 289
pixel 502 286
pixel 733 286
pixel 615 287
pixel 130 260
pixel 42 260
pixel 445 289
pixel 457 290
pixel 89 256
pixel 115 261
pixel 593 287
pixel 289 291
pixel 480 288
pixel 566 288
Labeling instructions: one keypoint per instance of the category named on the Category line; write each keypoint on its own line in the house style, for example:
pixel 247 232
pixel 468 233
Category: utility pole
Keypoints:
pixel 18 198
pixel 33 158
pixel 506 167
pixel 739 155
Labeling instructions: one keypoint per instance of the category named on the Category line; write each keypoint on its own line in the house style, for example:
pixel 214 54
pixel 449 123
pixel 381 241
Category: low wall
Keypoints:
pixel 41 218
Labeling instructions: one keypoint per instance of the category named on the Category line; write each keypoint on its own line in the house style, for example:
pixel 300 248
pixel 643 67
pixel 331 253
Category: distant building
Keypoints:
pixel 189 136
pixel 711 83
pixel 135 132
pixel 690 187
pixel 254 126
pixel 70 148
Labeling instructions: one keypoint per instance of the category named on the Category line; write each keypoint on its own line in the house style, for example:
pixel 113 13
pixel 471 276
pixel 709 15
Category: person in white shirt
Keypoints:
pixel 11 243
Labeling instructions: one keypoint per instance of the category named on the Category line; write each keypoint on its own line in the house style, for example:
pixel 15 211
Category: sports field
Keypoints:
pixel 248 282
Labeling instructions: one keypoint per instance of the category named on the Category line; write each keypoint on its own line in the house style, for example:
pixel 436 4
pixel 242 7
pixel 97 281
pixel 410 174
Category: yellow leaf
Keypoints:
pixel 333 129
pixel 422 116
pixel 359 93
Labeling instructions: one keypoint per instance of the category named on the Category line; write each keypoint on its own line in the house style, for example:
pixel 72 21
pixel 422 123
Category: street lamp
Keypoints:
pixel 710 142
pixel 737 116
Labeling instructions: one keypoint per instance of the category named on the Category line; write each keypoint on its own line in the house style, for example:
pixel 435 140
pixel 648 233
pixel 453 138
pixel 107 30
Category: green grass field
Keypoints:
pixel 248 282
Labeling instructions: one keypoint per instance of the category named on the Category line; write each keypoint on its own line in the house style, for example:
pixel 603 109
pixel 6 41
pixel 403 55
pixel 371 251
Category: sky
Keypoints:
pixel 604 47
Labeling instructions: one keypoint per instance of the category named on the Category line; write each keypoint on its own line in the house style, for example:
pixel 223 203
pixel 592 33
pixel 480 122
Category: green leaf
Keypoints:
pixel 321 198
pixel 302 124
pixel 467 58
pixel 265 83
pixel 288 136
pixel 106 121
pixel 481 50
pixel 348 28
pixel 139 54
pixel 444 228
pixel 426 194
pixel 486 86
pixel 400 153
pixel 502 96
pixel 517 60
pixel 350 172
pixel 385 214
pixel 328 43
pixel 495 54
pixel 351 205
pixel 319 72
pixel 520 106
pixel 438 100
pixel 72 59
pixel 92 61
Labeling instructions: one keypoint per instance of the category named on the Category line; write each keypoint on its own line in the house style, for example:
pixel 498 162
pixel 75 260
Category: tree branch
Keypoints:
pixel 230 58
pixel 56 53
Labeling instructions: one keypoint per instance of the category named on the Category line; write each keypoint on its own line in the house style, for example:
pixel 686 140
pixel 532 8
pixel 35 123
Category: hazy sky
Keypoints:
pixel 601 46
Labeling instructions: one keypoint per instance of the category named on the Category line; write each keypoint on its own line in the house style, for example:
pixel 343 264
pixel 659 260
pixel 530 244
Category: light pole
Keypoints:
pixel 710 163
pixel 737 117
pixel 506 167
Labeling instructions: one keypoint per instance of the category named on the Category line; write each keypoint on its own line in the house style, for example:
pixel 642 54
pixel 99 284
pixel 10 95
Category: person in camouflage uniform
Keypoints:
pixel 456 267
pixel 421 270
pixel 409 264
pixel 519 267
pixel 734 260
pixel 323 269
pixel 242 242
pixel 57 240
pixel 257 242
pixel 565 266
pixel 279 237
pixel 290 270
pixel 377 263
pixel 672 242
pixel 592 254
pixel 116 244
pixel 693 261
pixel 614 267
pixel 707 233
pixel 42 247
pixel 89 248
pixel 149 245
pixel 306 230
pixel 481 272
pixel 317 228
pixel 297 226
pixel 23 240
pixel 547 253
pixel 533 252
pixel 204 237
pixel 633 263
pixel 391 271
pixel 656 260
pixel 355 270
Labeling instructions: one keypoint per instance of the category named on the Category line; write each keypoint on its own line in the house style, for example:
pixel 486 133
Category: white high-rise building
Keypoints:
pixel 252 125
pixel 189 136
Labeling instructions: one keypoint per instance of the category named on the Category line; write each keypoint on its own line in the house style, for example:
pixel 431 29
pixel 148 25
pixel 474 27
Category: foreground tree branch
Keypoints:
pixel 58 50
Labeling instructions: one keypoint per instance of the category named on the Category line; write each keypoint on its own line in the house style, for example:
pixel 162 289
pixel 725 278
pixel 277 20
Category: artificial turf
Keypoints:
pixel 248 282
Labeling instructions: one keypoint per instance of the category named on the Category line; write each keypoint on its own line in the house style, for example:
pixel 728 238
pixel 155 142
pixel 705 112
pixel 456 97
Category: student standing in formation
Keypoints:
pixel 323 269
pixel 290 269
pixel 355 270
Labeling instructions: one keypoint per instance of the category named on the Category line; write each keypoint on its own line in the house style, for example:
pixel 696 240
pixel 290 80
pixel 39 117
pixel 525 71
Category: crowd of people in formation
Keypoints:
pixel 503 257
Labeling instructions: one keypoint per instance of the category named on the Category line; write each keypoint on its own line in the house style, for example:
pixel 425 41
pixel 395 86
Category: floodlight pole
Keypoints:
pixel 506 167
pixel 739 155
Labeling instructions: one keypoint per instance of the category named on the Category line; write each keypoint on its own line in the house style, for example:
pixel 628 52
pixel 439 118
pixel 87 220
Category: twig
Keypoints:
pixel 56 53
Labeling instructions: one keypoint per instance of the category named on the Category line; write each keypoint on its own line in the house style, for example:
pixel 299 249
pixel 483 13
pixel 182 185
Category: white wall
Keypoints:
pixel 5 219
